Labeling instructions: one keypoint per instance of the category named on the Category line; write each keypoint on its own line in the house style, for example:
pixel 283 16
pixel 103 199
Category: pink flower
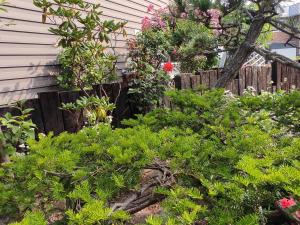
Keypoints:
pixel 214 13
pixel 168 67
pixel 157 22
pixel 215 19
pixel 161 23
pixel 287 203
pixel 150 8
pixel 146 23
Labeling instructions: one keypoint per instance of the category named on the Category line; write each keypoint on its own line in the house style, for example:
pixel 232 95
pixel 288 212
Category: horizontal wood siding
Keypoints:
pixel 28 56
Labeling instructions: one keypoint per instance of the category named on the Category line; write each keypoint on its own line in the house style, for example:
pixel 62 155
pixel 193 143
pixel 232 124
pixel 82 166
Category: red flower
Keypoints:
pixel 168 67
pixel 287 203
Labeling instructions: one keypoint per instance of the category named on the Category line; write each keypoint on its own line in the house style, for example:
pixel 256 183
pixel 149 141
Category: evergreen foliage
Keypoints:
pixel 232 159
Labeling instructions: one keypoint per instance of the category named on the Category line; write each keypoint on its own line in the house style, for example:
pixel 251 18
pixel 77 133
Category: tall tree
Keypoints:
pixel 238 25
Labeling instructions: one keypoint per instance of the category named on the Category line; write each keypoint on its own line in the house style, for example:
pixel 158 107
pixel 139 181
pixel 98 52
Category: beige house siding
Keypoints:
pixel 27 48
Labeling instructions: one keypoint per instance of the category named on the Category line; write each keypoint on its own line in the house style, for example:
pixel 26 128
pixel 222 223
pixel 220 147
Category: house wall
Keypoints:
pixel 27 49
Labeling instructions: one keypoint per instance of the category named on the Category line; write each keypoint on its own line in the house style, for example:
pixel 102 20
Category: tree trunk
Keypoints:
pixel 234 63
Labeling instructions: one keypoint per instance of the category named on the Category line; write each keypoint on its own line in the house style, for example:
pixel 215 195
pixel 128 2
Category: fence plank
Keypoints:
pixel 73 121
pixel 278 76
pixel 242 77
pixel 229 86
pixel 219 73
pixel 248 76
pixel 297 71
pixel 36 114
pixel 269 82
pixel 293 79
pixel 185 80
pixel 195 81
pixel 213 77
pixel 260 76
pixel 205 79
pixel 284 78
pixel 122 110
pixel 289 77
pixel 235 86
pixel 254 77
pixel 52 115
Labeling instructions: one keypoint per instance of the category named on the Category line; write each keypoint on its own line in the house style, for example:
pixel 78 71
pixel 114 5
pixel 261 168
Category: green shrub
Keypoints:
pixel 249 145
pixel 84 37
pixel 147 52
pixel 15 130
pixel 191 40
pixel 231 158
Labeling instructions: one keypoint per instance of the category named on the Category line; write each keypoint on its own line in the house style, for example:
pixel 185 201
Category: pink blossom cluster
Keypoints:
pixel 156 21
pixel 146 23
pixel 287 203
pixel 215 15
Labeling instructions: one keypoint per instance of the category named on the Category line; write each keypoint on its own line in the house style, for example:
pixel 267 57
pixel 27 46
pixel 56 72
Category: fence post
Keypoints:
pixel 73 121
pixel 52 115
pixel 242 77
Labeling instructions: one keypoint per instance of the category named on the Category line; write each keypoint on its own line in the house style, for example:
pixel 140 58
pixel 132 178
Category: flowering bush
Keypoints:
pixel 164 40
pixel 157 20
pixel 147 54
pixel 184 33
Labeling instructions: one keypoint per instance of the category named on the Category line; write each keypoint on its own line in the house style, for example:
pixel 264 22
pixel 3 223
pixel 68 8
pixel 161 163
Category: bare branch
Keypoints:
pixel 294 32
pixel 145 197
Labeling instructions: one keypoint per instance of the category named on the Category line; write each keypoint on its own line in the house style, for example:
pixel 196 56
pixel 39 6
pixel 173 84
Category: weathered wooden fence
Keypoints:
pixel 261 78
pixel 48 116
pixel 257 77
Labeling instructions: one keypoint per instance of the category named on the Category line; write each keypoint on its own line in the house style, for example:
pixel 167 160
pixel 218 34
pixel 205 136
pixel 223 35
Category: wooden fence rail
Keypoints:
pixel 256 77
pixel 261 78
pixel 48 116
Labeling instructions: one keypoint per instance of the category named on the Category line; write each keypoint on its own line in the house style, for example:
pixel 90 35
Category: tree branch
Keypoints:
pixel 233 64
pixel 139 200
pixel 285 28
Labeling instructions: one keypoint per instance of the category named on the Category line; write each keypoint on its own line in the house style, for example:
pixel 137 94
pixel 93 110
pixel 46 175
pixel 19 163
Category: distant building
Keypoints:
pixel 278 43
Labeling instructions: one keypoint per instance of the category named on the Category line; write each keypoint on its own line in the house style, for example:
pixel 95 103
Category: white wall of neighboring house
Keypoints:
pixel 287 10
pixel 287 52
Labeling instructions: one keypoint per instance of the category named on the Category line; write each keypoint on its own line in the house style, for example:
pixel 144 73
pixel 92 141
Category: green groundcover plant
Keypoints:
pixel 230 158
pixel 15 130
